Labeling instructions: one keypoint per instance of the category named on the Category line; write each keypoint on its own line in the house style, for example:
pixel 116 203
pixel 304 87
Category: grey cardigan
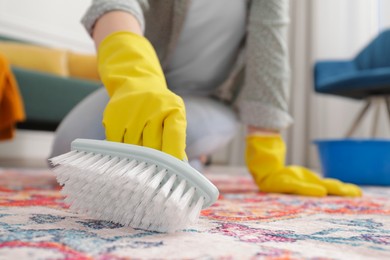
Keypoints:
pixel 258 83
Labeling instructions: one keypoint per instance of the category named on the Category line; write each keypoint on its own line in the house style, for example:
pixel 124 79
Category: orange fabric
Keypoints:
pixel 11 104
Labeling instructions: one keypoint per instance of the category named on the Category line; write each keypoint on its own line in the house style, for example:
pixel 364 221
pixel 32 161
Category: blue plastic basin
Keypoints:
pixel 359 161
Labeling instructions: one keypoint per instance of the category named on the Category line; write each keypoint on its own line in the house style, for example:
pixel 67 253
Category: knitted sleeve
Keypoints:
pixel 100 7
pixel 263 100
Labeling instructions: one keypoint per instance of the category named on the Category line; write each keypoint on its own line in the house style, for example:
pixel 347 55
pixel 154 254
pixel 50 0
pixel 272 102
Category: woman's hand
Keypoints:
pixel 141 110
pixel 265 157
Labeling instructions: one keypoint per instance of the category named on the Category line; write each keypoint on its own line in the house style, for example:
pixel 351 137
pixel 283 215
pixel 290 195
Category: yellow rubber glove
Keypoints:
pixel 265 157
pixel 141 110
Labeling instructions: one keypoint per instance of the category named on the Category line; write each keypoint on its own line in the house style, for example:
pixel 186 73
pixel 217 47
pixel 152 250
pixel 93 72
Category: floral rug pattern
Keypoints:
pixel 243 224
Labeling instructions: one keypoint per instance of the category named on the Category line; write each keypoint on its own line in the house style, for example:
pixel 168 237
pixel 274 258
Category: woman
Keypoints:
pixel 228 62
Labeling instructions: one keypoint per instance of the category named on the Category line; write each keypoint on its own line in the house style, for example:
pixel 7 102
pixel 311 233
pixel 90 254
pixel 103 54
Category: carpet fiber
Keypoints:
pixel 243 224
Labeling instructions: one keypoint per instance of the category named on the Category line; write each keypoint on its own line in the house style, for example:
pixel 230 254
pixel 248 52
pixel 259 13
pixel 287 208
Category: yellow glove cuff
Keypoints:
pixel 264 155
pixel 125 53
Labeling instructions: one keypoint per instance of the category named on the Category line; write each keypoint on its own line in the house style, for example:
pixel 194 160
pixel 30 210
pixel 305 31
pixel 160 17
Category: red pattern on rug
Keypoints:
pixel 243 224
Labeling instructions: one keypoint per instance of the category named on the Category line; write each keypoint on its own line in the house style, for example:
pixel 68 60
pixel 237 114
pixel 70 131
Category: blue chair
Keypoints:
pixel 367 76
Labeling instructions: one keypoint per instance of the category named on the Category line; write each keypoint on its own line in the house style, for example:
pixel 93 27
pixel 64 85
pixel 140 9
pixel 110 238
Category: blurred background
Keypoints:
pixel 319 30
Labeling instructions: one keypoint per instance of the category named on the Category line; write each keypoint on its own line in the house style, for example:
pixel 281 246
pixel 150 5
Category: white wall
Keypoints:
pixel 384 9
pixel 48 22
pixel 27 145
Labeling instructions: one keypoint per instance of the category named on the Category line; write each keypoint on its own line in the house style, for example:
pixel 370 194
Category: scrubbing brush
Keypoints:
pixel 132 185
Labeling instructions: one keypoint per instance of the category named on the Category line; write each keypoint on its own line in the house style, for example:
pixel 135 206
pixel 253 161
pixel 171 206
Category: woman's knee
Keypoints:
pixel 83 121
pixel 210 125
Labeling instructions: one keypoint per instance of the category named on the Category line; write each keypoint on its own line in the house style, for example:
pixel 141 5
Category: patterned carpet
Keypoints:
pixel 243 224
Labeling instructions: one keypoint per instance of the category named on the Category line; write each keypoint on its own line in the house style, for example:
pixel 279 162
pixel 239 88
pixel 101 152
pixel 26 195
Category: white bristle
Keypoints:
pixel 126 191
pixel 61 158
